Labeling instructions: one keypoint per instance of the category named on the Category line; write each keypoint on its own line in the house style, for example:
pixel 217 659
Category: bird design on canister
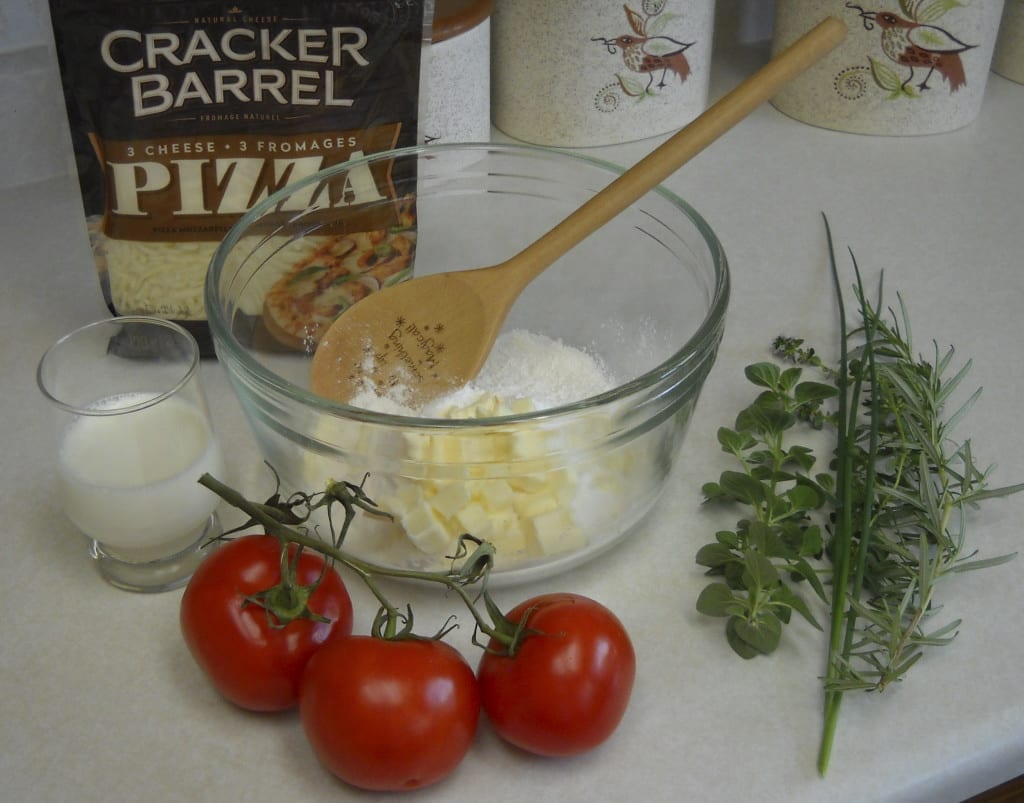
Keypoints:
pixel 646 52
pixel 918 46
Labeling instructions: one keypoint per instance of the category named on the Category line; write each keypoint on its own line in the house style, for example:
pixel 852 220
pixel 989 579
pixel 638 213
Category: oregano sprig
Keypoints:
pixel 781 534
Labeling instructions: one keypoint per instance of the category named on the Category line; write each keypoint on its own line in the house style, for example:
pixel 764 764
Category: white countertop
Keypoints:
pixel 99 700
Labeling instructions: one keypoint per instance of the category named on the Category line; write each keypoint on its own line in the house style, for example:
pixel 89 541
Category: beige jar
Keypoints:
pixel 907 67
pixel 567 73
pixel 1008 60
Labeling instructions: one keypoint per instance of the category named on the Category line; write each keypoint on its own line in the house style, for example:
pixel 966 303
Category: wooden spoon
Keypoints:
pixel 376 339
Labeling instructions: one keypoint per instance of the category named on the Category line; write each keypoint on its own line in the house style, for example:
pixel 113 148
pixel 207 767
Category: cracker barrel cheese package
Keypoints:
pixel 186 113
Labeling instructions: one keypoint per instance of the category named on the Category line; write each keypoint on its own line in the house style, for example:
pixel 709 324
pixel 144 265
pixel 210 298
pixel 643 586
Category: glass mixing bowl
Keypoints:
pixel 646 295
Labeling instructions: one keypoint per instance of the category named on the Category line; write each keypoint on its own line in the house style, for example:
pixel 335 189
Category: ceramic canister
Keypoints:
pixel 456 89
pixel 1008 60
pixel 601 72
pixel 907 67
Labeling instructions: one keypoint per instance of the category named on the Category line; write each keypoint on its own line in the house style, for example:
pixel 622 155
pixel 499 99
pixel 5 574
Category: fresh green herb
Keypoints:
pixel 874 534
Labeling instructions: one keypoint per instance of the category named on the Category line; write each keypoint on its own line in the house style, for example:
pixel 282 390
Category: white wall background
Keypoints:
pixel 34 141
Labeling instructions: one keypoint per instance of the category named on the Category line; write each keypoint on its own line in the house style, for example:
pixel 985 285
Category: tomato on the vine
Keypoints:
pixel 252 657
pixel 566 688
pixel 389 715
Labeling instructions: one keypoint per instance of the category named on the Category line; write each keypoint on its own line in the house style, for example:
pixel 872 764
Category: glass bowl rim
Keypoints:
pixel 695 348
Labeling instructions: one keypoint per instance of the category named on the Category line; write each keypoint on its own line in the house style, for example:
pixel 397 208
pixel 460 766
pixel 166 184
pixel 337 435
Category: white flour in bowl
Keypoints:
pixel 523 367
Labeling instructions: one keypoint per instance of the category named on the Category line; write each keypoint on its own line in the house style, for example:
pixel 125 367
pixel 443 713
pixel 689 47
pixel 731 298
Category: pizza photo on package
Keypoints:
pixel 341 270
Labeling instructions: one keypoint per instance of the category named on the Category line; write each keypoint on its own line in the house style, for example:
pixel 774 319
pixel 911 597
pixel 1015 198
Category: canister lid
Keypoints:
pixel 453 17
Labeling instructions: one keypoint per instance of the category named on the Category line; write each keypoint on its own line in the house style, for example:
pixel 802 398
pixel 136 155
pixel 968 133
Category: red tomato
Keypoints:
pixel 389 715
pixel 250 659
pixel 565 689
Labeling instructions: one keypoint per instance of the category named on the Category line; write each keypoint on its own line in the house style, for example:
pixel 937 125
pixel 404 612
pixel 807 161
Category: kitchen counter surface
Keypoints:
pixel 101 702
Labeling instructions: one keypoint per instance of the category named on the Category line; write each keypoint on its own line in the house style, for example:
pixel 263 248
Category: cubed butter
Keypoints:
pixel 528 515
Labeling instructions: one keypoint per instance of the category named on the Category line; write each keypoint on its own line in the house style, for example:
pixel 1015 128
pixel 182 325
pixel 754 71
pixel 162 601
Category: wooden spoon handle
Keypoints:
pixel 680 148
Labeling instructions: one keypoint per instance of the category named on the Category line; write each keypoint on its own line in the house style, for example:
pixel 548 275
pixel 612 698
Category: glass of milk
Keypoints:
pixel 134 436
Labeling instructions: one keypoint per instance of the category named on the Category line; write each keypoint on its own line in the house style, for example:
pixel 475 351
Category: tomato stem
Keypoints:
pixel 474 569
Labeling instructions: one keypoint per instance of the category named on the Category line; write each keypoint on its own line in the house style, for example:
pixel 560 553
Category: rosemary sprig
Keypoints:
pixel 881 529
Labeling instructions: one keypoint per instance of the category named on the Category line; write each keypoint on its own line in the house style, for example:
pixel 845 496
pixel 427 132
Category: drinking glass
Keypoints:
pixel 133 438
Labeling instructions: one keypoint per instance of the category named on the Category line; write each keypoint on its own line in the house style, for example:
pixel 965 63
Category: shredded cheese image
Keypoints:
pixel 157 278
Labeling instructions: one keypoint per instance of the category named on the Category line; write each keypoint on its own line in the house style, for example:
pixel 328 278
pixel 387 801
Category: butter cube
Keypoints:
pixel 528 443
pixel 426 530
pixel 554 532
pixel 473 519
pixel 486 407
pixel 408 493
pixel 494 494
pixel 446 449
pixel 519 406
pixel 449 498
pixel 488 447
pixel 559 479
pixel 418 446
pixel 529 483
pixel 405 496
pixel 507 533
pixel 527 506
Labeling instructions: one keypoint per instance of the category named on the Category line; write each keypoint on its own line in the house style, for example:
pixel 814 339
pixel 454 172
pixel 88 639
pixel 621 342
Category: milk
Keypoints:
pixel 129 481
